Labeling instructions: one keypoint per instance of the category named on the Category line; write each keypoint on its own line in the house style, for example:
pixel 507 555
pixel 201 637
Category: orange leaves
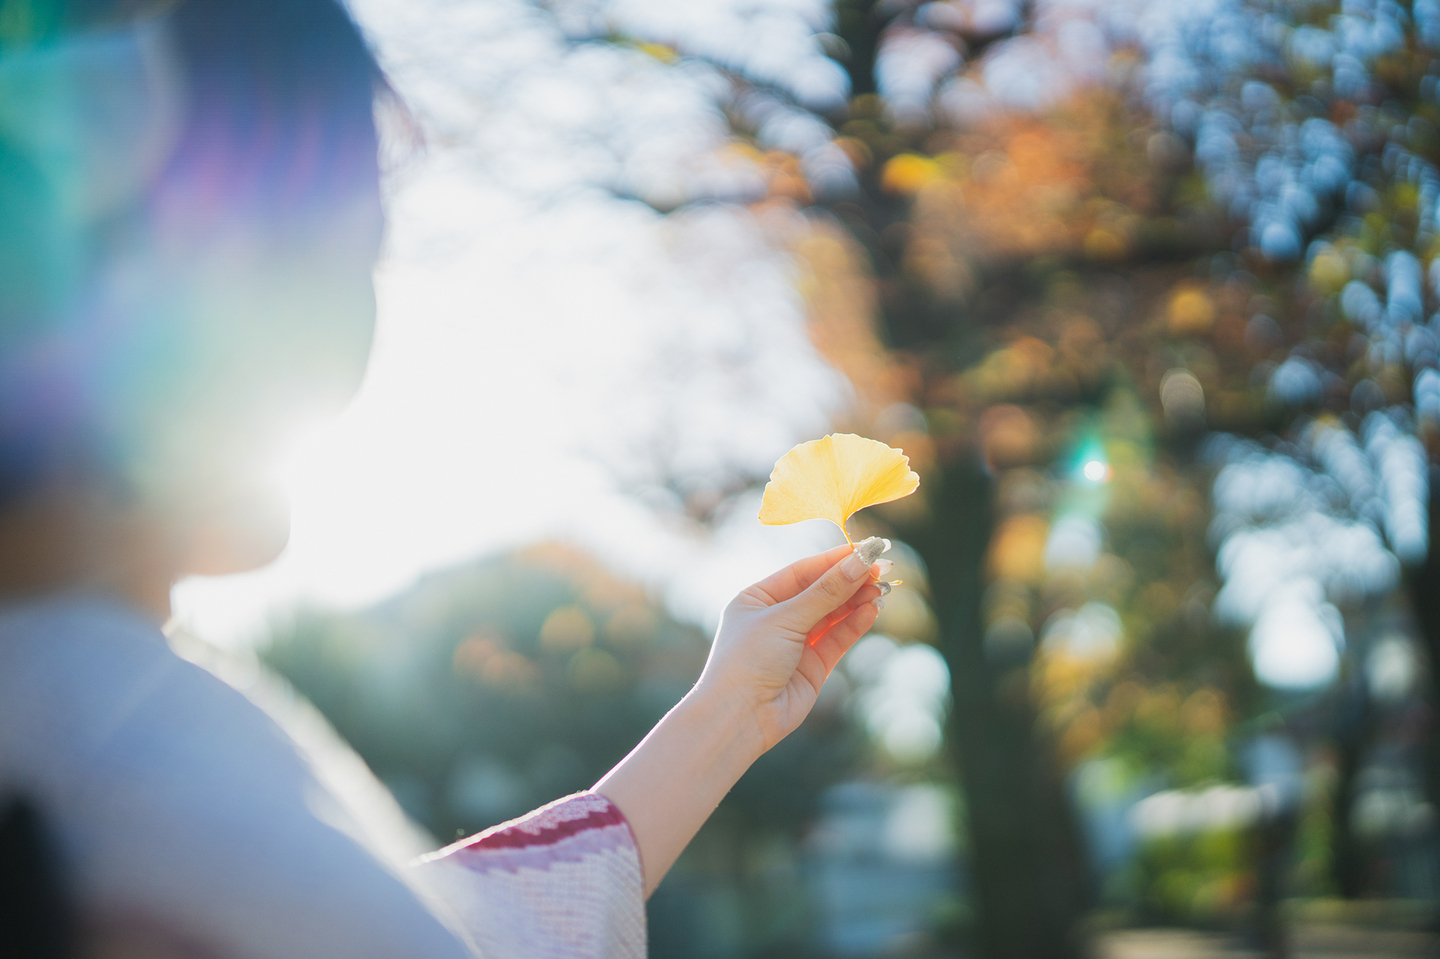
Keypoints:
pixel 1076 182
pixel 1008 436
pixel 1191 312
pixel 907 173
pixel 834 477
pixel 1017 549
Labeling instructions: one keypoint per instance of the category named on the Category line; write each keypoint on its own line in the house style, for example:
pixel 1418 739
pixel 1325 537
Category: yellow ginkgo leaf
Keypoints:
pixel 833 477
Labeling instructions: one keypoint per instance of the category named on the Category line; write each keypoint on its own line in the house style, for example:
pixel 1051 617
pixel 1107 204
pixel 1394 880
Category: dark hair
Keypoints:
pixel 278 130
pixel 281 105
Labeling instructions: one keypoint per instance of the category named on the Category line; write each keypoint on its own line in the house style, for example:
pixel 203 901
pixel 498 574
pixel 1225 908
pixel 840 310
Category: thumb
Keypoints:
pixel 834 587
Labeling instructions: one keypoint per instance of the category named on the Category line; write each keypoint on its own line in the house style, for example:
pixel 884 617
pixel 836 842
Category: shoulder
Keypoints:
pixel 178 801
pixel 73 673
pixel 91 692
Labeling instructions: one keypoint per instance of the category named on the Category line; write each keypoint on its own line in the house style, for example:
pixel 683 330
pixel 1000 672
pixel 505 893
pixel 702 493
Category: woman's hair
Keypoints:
pixel 273 132
pixel 281 95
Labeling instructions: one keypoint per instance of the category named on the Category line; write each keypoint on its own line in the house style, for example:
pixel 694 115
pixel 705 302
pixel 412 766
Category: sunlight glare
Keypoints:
pixel 298 458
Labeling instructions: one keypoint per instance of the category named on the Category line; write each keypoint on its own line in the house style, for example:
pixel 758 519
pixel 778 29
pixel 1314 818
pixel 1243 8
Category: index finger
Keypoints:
pixel 797 577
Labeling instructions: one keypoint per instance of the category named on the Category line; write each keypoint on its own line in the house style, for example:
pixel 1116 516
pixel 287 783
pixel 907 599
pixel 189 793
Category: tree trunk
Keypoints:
pixel 859 23
pixel 1353 728
pixel 1026 862
pixel 1424 587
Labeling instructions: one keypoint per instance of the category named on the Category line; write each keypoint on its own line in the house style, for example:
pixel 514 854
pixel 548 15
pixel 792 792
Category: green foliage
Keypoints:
pixel 1200 878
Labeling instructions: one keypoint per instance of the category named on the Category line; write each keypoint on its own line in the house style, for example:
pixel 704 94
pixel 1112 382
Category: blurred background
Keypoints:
pixel 1147 292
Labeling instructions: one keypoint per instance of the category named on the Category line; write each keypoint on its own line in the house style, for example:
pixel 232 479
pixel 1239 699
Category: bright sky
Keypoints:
pixel 547 348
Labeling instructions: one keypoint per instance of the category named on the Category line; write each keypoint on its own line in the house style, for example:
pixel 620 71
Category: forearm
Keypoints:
pixel 670 784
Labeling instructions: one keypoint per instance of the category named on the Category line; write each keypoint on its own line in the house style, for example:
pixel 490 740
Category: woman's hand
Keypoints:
pixel 777 642
pixel 779 639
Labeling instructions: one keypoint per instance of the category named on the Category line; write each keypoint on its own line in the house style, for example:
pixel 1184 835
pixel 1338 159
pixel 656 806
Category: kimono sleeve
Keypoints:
pixel 562 882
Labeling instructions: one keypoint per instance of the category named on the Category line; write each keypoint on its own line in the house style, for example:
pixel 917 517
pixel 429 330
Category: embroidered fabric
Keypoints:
pixel 563 882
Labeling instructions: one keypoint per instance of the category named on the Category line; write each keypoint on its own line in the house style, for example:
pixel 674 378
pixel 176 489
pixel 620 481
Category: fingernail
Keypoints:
pixel 858 563
pixel 879 602
pixel 884 588
pixel 883 567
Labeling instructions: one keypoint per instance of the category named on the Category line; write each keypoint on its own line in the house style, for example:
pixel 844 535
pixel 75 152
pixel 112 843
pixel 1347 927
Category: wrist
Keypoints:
pixel 728 718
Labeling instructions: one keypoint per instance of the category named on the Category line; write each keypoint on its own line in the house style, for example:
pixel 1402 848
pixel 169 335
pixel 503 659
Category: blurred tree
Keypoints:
pixel 994 251
pixel 1011 372
pixel 1095 236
